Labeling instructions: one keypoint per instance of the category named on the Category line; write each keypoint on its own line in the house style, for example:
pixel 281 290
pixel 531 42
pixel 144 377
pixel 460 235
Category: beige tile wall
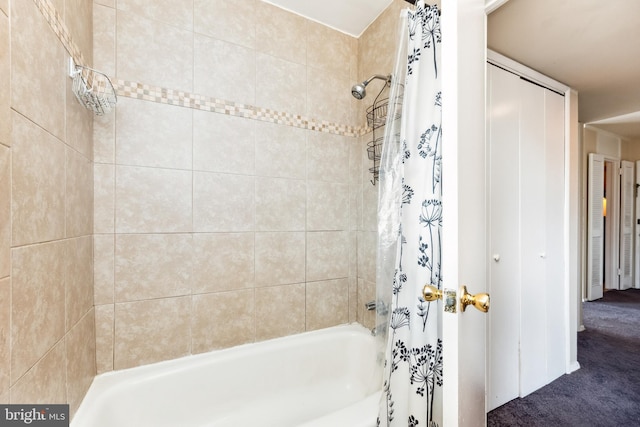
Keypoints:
pixel 224 229
pixel 5 89
pixel 208 230
pixel 213 230
pixel 5 205
pixel 5 211
pixel 47 332
pixel 154 52
pixel 32 49
pixel 376 55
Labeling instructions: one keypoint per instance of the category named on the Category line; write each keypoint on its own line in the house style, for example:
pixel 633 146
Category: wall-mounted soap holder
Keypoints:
pixel 92 88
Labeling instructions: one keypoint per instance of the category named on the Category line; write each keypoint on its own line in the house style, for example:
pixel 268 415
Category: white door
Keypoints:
pixel 532 267
pixel 627 190
pixel 503 124
pixel 595 227
pixel 611 218
pixel 464 196
pixel 526 333
pixel 542 255
pixel 553 253
pixel 526 212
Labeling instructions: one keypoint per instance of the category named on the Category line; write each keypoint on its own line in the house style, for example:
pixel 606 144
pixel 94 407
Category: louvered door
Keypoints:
pixel 595 228
pixel 626 224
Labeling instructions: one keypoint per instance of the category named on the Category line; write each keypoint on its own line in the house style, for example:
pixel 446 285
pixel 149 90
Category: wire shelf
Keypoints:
pixel 93 89
pixel 377 115
pixel 374 149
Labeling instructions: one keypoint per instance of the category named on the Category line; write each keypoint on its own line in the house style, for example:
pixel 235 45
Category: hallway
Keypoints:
pixel 605 390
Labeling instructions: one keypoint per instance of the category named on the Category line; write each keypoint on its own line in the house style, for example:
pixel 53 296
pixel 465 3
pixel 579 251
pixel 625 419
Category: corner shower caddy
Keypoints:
pixel 376 120
pixel 92 88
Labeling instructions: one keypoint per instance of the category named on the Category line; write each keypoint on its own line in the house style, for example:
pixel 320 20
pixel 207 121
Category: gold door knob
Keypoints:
pixel 431 293
pixel 479 301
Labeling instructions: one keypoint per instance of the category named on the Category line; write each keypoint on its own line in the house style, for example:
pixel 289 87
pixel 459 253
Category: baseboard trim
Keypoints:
pixel 573 366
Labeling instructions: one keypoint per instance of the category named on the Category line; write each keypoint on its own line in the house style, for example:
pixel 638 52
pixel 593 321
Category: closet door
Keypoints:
pixel 554 256
pixel 626 224
pixel 526 253
pixel 503 332
pixel 542 176
pixel 595 227
pixel 533 181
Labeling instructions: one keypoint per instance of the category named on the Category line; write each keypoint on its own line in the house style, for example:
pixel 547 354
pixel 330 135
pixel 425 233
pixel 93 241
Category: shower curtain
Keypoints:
pixel 409 227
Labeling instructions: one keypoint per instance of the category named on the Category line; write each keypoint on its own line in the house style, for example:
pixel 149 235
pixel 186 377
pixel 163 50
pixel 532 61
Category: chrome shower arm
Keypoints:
pixel 386 78
pixel 359 90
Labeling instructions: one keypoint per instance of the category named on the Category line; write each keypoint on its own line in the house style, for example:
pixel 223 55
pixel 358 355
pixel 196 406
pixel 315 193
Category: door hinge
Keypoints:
pixel 619 272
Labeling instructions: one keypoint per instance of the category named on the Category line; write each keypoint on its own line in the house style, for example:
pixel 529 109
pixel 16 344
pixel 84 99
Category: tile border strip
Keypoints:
pixel 162 95
pixel 60 29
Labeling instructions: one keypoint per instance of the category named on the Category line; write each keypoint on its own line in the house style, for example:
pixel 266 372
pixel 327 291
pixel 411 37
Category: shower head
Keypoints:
pixel 359 90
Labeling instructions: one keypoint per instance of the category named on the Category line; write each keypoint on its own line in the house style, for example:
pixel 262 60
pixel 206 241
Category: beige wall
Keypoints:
pixel 47 338
pixel 213 230
pixel 630 150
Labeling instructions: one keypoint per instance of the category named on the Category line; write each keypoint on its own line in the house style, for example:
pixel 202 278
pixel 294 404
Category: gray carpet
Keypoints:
pixel 605 391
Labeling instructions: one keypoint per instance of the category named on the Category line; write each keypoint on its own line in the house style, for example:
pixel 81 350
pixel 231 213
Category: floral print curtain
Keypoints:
pixel 410 227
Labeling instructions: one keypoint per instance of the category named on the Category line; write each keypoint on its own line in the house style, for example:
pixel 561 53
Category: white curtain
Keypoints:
pixel 409 227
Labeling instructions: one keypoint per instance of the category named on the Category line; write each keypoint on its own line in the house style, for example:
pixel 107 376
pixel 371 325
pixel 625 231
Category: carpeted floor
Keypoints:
pixel 605 391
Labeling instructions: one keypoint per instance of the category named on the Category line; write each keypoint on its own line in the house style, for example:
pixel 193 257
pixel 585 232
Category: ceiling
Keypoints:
pixel 589 45
pixel 349 16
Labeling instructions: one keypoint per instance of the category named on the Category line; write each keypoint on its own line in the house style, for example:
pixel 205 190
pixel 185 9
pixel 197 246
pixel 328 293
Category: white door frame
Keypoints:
pixel 464 55
pixel 463 24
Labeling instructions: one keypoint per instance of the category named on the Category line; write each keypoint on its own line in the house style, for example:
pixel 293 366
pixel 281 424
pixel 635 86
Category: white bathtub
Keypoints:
pixel 325 378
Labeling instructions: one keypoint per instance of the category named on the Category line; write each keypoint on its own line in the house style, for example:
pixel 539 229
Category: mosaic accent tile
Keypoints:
pixel 161 95
pixel 195 101
pixel 61 31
